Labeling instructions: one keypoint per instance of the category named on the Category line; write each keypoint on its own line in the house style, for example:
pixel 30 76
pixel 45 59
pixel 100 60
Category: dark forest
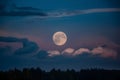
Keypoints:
pixel 57 74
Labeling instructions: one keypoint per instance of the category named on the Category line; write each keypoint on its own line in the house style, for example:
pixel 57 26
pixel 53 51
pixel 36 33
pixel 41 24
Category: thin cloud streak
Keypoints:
pixel 37 13
pixel 65 13
pixel 81 12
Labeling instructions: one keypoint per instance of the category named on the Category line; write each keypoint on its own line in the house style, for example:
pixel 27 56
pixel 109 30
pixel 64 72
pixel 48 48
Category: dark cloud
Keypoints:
pixel 5 4
pixel 42 54
pixel 2 7
pixel 11 39
pixel 28 46
pixel 22 13
pixel 13 10
pixel 26 8
pixel 5 50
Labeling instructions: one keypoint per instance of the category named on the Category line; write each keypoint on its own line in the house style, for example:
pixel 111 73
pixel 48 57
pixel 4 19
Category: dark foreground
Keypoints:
pixel 38 74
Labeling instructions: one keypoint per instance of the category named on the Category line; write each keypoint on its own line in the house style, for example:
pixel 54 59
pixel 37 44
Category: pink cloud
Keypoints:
pixel 53 53
pixel 104 52
pixel 81 51
pixel 68 51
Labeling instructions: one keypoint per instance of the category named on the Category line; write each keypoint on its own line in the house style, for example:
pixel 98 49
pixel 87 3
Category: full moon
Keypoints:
pixel 59 38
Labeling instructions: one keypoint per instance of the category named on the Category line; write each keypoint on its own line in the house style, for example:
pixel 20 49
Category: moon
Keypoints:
pixel 59 38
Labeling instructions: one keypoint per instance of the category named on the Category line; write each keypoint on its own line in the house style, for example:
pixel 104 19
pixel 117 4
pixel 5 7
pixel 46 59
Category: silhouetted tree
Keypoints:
pixel 38 74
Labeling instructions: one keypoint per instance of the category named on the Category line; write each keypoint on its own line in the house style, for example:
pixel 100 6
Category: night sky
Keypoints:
pixel 92 28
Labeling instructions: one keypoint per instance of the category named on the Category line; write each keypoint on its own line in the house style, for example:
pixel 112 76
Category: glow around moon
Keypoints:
pixel 59 38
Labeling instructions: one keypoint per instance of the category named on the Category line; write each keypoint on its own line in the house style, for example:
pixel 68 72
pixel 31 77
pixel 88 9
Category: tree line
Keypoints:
pixel 57 74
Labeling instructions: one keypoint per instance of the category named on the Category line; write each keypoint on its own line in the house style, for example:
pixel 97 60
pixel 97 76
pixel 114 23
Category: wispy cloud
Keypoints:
pixel 13 10
pixel 81 12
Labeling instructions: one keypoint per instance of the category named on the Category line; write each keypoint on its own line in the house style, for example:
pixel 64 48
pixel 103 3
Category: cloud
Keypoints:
pixel 81 51
pixel 101 10
pixel 81 12
pixel 104 52
pixel 27 46
pixel 11 39
pixel 97 50
pixel 5 50
pixel 66 13
pixel 53 53
pixel 68 51
pixel 13 10
pixel 42 54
